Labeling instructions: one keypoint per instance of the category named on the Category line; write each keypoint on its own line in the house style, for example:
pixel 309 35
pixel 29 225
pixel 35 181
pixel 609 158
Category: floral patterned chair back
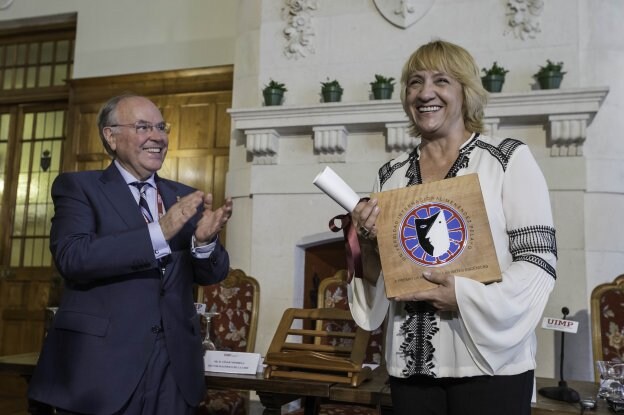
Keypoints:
pixel 332 293
pixel 236 299
pixel 607 317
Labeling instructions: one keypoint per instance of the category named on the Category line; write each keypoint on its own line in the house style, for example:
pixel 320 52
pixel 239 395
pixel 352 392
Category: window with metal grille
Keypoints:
pixel 36 64
pixel 36 61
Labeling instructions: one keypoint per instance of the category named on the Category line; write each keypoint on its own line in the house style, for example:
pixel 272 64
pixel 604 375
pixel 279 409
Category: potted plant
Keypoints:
pixel 382 87
pixel 493 78
pixel 273 93
pixel 550 75
pixel 331 91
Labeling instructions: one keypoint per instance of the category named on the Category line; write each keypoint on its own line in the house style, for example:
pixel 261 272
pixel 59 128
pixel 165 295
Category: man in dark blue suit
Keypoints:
pixel 126 337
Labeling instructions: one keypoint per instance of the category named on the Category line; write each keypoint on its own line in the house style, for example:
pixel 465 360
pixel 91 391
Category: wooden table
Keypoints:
pixel 274 393
pixel 22 364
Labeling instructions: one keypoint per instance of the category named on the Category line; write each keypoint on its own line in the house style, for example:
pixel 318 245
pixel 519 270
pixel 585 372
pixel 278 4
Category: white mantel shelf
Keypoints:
pixel 565 113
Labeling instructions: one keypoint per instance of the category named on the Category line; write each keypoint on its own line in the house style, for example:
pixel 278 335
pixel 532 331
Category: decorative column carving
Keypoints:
pixel 491 126
pixel 523 17
pixel 263 145
pixel 299 31
pixel 567 133
pixel 398 139
pixel 563 113
pixel 331 143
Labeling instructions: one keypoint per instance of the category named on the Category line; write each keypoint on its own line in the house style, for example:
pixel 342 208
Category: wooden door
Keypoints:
pixel 321 261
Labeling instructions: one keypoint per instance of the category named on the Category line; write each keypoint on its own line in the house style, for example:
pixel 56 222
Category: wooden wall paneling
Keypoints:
pixel 199 125
pixel 195 101
pixel 23 301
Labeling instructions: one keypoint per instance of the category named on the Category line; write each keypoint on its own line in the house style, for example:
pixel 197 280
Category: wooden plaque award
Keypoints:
pixel 440 227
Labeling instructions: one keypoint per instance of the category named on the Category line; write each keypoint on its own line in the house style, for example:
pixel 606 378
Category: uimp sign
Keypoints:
pixel 559 324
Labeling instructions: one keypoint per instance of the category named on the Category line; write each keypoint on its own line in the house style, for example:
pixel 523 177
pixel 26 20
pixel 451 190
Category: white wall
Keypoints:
pixel 121 37
pixel 352 42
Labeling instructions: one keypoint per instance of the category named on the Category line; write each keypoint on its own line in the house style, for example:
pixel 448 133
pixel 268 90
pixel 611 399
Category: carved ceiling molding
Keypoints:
pixel 299 30
pixel 403 13
pixel 524 17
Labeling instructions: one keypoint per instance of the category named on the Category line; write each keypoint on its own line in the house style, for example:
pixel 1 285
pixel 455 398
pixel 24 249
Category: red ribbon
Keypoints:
pixel 352 245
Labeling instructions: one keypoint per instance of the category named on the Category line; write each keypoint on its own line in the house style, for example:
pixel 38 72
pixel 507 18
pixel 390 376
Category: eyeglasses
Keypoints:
pixel 143 127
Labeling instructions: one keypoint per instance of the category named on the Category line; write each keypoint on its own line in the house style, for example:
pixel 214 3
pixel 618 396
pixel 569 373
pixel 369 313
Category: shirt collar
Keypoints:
pixel 129 178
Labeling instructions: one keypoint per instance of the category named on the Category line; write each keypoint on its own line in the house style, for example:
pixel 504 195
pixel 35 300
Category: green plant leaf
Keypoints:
pixel 275 85
pixel 380 79
pixel 495 69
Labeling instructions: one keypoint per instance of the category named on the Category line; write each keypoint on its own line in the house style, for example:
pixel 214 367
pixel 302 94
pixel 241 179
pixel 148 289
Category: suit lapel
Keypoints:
pixel 170 192
pixel 117 192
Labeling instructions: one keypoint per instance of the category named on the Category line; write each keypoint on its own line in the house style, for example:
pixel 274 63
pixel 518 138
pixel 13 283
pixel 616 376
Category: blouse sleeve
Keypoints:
pixel 498 318
pixel 367 302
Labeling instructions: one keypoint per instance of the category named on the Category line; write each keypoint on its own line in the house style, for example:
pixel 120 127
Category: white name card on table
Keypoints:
pixel 559 324
pixel 231 362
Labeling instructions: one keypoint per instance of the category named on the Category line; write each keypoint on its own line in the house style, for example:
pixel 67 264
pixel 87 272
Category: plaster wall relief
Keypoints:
pixel 491 126
pixel 262 145
pixel 5 4
pixel 403 13
pixel 524 17
pixel 398 138
pixel 567 133
pixel 299 31
pixel 330 143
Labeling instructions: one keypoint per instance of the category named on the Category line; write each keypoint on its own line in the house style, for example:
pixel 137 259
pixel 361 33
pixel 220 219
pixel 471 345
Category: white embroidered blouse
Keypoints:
pixel 494 331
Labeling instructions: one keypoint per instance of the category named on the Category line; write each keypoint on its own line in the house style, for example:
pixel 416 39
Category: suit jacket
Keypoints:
pixel 114 294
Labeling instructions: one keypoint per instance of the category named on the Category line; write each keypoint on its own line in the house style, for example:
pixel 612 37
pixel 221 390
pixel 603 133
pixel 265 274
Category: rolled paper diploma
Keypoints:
pixel 333 185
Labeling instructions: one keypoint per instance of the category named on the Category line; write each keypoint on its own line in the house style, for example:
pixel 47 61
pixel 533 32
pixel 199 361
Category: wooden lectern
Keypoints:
pixel 312 360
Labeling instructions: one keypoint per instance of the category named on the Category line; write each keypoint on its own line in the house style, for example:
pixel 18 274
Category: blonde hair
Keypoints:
pixel 455 61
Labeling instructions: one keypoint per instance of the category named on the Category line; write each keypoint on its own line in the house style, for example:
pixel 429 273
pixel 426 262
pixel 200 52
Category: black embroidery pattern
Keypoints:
pixel 419 328
pixel 420 324
pixel 523 242
pixel 503 152
pixel 537 238
pixel 413 171
pixel 538 261
pixel 464 157
pixel 387 170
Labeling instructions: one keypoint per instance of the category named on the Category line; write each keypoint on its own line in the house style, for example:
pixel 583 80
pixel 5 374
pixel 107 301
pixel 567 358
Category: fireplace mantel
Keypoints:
pixel 564 113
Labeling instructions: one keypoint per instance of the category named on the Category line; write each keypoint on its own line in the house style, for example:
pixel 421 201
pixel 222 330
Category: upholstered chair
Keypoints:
pixel 607 319
pixel 333 293
pixel 236 300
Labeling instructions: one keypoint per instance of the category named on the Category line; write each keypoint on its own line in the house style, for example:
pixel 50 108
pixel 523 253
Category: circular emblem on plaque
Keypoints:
pixel 432 234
